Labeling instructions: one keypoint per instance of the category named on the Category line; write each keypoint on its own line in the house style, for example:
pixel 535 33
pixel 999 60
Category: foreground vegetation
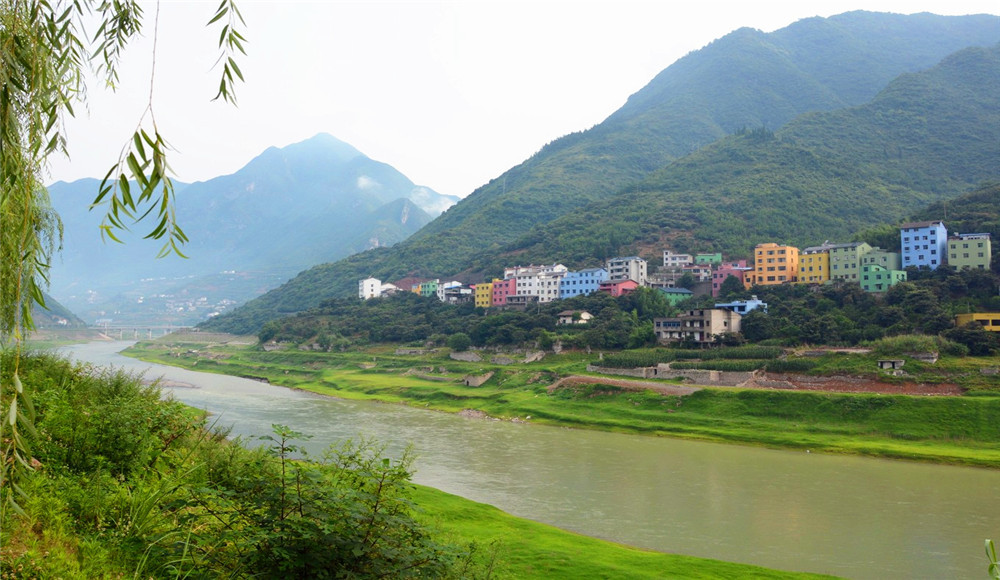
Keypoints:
pixel 124 483
pixel 959 430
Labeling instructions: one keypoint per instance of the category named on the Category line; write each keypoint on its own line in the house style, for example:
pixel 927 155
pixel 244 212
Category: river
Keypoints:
pixel 849 516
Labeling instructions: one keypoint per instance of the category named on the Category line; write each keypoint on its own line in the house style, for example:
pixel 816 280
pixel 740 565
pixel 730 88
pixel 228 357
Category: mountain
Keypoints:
pixel 287 209
pixel 745 79
pixel 54 315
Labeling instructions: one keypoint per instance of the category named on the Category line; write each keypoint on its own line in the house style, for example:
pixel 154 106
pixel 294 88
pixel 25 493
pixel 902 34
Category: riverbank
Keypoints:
pixel 81 519
pixel 949 430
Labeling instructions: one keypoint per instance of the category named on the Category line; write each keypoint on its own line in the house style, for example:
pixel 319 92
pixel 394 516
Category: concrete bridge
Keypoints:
pixel 136 331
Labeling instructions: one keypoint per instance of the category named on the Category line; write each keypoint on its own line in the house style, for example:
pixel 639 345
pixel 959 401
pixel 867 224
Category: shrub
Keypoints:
pixel 720 365
pixel 791 365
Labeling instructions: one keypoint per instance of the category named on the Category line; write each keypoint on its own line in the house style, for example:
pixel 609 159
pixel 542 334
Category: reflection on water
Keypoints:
pixel 848 516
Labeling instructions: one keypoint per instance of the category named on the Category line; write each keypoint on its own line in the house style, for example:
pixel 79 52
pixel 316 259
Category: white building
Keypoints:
pixel 675 261
pixel 628 268
pixel 443 288
pixel 539 281
pixel 369 288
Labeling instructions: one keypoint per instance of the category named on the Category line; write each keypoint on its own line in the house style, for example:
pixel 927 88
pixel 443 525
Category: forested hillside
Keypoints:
pixel 613 188
pixel 926 137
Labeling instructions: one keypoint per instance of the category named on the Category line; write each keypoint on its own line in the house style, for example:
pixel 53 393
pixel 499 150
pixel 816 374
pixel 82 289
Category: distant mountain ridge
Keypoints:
pixel 684 108
pixel 287 209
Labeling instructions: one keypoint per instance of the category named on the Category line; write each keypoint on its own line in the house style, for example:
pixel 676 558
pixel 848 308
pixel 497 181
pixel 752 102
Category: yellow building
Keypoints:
pixel 484 295
pixel 814 265
pixel 774 264
pixel 989 320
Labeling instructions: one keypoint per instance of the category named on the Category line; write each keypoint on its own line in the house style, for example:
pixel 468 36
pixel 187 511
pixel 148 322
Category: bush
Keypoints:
pixel 637 359
pixel 459 342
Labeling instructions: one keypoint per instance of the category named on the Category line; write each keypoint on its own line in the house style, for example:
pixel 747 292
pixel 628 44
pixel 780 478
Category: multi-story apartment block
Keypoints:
pixel 969 251
pixel 582 283
pixel 484 295
pixel 886 259
pixel 845 260
pixel 876 278
pixel 369 288
pixel 539 281
pixel 738 269
pixel 443 287
pixel 549 284
pixel 923 244
pixel 775 264
pixel 628 268
pixel 672 260
pixel 502 289
pixel 698 325
pixel 814 264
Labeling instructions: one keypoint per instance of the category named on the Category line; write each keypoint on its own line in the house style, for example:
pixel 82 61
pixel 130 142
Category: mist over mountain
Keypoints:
pixel 286 210
pixel 739 91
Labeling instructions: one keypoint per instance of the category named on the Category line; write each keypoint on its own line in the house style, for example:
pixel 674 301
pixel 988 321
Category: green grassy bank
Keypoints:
pixel 957 430
pixel 520 548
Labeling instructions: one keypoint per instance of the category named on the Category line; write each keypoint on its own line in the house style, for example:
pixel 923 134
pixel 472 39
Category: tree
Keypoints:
pixel 459 342
pixel 731 287
pixel 44 56
pixel 686 281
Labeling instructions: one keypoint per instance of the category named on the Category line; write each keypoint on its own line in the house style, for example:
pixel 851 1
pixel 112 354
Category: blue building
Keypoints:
pixel 923 244
pixel 582 283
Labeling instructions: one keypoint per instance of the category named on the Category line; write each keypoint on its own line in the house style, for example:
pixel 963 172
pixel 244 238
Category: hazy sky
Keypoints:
pixel 452 94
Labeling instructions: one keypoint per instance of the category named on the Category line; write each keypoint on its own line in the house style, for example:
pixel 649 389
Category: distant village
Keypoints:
pixel 922 245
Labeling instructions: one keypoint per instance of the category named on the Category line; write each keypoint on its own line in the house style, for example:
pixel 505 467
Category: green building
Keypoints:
pixel 676 295
pixel 714 259
pixel 875 278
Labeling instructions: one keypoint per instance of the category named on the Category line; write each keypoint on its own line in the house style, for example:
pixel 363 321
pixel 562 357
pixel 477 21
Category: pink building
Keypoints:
pixel 727 269
pixel 502 289
pixel 619 287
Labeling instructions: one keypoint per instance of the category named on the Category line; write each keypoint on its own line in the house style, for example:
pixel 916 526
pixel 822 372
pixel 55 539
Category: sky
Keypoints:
pixel 450 93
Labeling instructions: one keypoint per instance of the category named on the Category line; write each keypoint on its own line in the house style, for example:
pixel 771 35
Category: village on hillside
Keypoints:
pixel 682 276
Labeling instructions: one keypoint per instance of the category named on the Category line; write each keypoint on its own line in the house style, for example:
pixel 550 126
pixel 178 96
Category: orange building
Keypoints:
pixel 774 264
